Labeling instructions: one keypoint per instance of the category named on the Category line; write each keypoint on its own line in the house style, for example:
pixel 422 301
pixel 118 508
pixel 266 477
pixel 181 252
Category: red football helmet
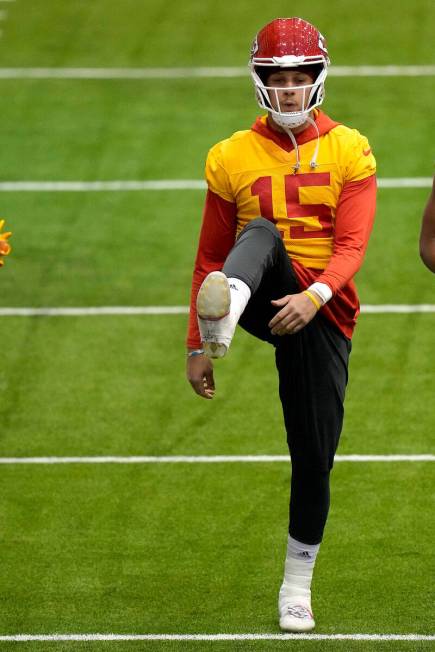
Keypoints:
pixel 289 43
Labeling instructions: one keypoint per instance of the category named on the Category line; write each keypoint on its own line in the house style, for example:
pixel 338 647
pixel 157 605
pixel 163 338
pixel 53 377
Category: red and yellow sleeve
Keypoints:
pixel 360 161
pixel 216 175
pixel 353 224
pixel 355 214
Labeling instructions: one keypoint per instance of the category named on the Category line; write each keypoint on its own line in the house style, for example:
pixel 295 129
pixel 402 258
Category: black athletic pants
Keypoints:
pixel 312 366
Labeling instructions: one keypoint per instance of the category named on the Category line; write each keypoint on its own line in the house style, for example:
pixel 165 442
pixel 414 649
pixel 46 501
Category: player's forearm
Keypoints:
pixel 427 236
pixel 427 253
pixel 342 268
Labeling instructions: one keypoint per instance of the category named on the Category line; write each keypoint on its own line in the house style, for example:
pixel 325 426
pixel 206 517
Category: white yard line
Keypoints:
pixel 204 459
pixel 217 637
pixel 381 309
pixel 91 311
pixel 378 309
pixel 163 184
pixel 406 182
pixel 101 186
pixel 202 72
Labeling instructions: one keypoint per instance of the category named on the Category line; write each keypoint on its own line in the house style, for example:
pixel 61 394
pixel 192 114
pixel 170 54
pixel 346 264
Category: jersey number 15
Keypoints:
pixel 262 188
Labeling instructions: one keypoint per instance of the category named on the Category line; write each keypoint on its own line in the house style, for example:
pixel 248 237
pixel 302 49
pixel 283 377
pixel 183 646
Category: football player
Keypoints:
pixel 427 235
pixel 5 247
pixel 288 213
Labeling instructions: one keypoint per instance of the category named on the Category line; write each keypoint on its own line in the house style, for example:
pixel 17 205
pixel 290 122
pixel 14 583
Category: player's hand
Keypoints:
pixel 5 247
pixel 200 375
pixel 296 311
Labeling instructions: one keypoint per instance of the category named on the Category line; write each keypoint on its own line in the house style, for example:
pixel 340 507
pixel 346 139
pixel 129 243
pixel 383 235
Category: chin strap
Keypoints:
pixel 313 162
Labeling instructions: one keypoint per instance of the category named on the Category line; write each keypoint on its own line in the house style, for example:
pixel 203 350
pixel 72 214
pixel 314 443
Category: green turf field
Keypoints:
pixel 177 548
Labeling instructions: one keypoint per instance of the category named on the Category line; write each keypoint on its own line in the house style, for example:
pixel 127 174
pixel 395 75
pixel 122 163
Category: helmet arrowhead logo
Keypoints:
pixel 322 43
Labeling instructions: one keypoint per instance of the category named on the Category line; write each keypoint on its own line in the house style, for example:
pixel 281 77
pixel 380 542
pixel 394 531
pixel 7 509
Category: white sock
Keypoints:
pixel 298 572
pixel 240 295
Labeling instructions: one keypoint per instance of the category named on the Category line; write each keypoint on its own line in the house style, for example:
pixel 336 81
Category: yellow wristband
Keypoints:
pixel 311 296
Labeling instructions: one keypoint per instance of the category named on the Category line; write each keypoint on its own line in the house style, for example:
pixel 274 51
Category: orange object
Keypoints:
pixel 5 247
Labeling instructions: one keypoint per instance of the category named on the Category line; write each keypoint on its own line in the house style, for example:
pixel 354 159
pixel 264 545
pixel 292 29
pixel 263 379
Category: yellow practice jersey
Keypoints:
pixel 324 207
pixel 255 172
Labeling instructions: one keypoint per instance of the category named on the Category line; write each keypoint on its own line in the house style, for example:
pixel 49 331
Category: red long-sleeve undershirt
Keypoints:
pixel 353 224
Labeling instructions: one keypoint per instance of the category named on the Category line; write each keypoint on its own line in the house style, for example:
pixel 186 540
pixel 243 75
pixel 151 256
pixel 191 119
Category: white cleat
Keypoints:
pixel 295 617
pixel 213 305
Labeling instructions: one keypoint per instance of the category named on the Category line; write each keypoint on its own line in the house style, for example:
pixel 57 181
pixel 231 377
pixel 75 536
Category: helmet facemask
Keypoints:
pixel 313 94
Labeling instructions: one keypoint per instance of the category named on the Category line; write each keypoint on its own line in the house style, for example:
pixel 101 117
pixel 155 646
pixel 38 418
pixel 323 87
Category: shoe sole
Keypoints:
pixel 213 303
pixel 214 297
